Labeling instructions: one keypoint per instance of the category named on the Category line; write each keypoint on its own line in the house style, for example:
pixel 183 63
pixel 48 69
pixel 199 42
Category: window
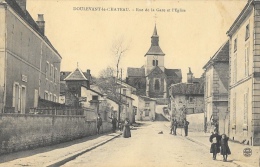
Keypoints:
pixel 56 75
pixel 54 98
pixel 146 112
pixel 16 96
pixel 235 69
pixel 157 84
pixel 23 99
pixel 247 32
pixel 235 45
pixel 147 104
pixel 155 62
pixel 47 69
pixel 247 61
pixel 36 98
pixel 46 96
pixel 51 71
pixel 124 91
pixel 234 109
pixel 50 97
pixel 245 108
pixel 191 99
pixel 94 97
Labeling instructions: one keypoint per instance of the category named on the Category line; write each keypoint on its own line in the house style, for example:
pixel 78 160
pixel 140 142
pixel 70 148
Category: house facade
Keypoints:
pixel 244 71
pixel 146 109
pixel 216 90
pixel 186 98
pixel 29 64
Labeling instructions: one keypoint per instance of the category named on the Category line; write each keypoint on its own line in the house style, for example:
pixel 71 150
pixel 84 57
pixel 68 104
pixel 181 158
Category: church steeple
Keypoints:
pixel 155 48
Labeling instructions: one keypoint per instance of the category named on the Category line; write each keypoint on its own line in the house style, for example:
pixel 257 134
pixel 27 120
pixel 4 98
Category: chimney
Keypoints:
pixel 41 23
pixel 22 4
pixel 189 76
pixel 88 71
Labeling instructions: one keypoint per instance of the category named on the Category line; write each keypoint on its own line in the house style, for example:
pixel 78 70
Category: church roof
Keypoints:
pixel 76 75
pixel 187 89
pixel 155 48
pixel 135 72
pixel 173 72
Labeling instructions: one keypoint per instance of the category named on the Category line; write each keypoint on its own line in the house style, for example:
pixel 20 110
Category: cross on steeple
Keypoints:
pixel 77 64
pixel 155 16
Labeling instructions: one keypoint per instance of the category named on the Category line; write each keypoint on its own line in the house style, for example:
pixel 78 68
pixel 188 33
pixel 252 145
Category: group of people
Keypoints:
pixel 174 125
pixel 219 144
pixel 125 125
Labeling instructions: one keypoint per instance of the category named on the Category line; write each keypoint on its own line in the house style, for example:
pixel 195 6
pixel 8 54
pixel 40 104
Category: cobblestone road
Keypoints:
pixel 147 148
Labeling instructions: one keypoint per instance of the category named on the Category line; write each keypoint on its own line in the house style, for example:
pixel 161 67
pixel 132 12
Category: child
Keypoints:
pixel 225 151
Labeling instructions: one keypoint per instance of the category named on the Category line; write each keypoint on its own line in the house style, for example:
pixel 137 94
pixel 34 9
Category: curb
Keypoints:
pixel 72 156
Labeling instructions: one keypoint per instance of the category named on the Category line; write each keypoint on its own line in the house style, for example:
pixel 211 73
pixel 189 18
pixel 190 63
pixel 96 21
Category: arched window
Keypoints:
pixel 155 62
pixel 157 84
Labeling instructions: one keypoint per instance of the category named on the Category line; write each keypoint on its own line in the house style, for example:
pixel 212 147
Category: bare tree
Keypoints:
pixel 119 49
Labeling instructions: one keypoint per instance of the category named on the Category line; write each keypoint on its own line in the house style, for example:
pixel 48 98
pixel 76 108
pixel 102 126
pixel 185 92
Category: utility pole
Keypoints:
pixel 120 99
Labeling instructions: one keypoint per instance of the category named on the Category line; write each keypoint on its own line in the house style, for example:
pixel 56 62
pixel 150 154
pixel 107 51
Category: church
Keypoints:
pixel 152 79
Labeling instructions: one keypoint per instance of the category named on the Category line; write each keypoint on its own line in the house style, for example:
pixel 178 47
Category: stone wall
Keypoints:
pixel 21 132
pixel 196 122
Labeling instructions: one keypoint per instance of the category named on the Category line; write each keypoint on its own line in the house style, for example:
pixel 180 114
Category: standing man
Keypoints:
pixel 99 123
pixel 186 126
pixel 175 124
pixel 114 121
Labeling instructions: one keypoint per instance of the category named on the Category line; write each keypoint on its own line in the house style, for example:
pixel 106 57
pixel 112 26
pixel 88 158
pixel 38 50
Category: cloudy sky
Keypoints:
pixel 188 37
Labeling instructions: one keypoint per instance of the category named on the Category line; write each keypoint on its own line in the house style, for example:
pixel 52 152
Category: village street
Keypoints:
pixel 148 148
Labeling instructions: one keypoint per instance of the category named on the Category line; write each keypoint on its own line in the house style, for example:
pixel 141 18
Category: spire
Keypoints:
pixel 155 31
pixel 155 48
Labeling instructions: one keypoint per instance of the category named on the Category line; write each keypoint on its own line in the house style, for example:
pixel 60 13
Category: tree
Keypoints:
pixel 119 49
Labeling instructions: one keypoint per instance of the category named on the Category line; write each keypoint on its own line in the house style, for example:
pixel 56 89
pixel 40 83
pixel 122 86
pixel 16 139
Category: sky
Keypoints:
pixel 190 31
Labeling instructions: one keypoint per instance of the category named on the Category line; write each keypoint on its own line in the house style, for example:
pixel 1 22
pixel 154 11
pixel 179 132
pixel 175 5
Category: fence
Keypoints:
pixel 61 111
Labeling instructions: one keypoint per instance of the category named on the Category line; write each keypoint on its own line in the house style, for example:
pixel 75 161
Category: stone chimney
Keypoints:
pixel 41 23
pixel 88 71
pixel 22 4
pixel 189 76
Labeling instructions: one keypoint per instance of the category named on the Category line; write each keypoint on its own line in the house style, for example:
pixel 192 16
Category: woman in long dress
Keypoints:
pixel 126 129
pixel 225 151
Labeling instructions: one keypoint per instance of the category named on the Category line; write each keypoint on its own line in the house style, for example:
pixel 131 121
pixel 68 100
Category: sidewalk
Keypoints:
pixel 236 156
pixel 56 155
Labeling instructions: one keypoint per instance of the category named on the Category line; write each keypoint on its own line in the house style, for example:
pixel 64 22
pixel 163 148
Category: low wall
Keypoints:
pixel 21 132
pixel 196 122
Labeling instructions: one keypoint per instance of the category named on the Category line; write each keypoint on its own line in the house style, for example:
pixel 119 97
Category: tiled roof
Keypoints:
pixel 76 75
pixel 64 74
pixel 187 89
pixel 222 55
pixel 173 72
pixel 28 18
pixel 155 50
pixel 135 72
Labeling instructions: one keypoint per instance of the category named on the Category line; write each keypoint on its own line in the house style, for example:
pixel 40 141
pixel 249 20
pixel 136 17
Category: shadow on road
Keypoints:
pixel 27 153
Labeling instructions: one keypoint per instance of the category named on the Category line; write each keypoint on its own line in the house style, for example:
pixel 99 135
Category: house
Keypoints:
pixel 125 92
pixel 244 71
pixel 186 98
pixel 146 109
pixel 152 79
pixel 216 90
pixel 29 63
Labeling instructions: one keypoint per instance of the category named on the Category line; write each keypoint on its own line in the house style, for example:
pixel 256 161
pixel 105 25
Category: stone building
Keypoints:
pixel 29 63
pixel 244 71
pixel 186 98
pixel 216 89
pixel 152 79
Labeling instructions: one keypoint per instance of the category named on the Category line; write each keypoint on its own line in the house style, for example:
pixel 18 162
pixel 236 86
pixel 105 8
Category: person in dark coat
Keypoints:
pixel 225 151
pixel 215 144
pixel 126 129
pixel 99 123
pixel 114 121
pixel 175 124
pixel 186 127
